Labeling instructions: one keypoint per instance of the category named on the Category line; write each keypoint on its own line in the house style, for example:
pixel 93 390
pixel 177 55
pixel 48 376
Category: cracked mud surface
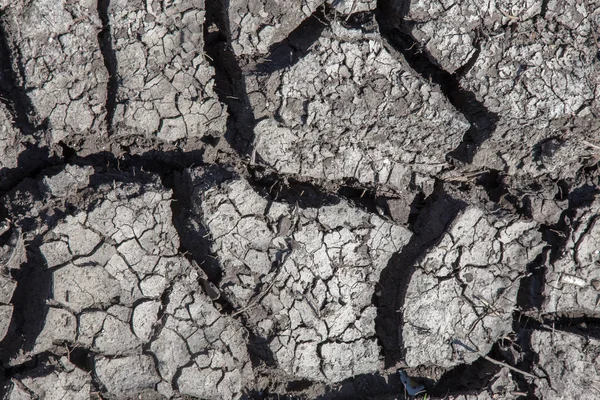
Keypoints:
pixel 209 199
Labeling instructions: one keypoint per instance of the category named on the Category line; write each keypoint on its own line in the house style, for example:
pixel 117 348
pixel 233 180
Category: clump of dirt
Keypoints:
pixel 318 199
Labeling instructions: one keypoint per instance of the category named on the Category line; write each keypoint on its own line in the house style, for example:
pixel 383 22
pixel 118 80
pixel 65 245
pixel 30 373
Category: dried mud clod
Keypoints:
pixel 572 280
pixel 166 85
pixel 302 278
pixel 563 354
pixel 256 26
pixel 119 288
pixel 262 199
pixel 468 298
pixel 534 64
pixel 59 65
pixel 338 115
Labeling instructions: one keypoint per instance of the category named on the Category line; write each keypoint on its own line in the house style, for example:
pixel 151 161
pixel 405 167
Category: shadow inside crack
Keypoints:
pixel 259 351
pixel 34 288
pixel 526 361
pixel 110 62
pixel 557 235
pixel 231 71
pixel 366 386
pixel 430 224
pixel 580 323
pixel 530 295
pixel 12 94
pixel 293 48
pixel 29 163
pixel 302 194
pixel 194 236
pixel 43 365
pixel 396 31
pixel 230 83
pixel 465 379
pixel 17 102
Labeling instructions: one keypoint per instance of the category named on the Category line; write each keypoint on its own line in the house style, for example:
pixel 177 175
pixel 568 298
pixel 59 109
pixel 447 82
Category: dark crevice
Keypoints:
pixel 157 328
pixel 98 388
pixel 557 235
pixel 161 163
pixel 430 224
pixel 417 204
pixel 465 379
pixel 13 96
pixel 110 63
pixel 311 194
pixel 230 84
pixel 177 375
pixel 161 318
pixel 397 34
pixel 12 93
pixel 34 286
pixel 577 323
pixel 525 362
pixel 363 20
pixel 464 69
pixel 364 197
pixel 546 149
pixel 493 185
pixel 530 295
pixel 195 238
pixel 42 365
pixel 82 358
pixel 544 9
pixel 69 153
pixel 259 351
pixel 298 385
pixel 296 45
pixel 367 386
pixel 563 190
pixel 7 372
pixel 274 187
pixel 498 191
pixel 30 163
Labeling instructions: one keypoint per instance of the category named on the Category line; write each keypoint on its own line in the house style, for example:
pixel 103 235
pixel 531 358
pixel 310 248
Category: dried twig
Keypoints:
pixel 262 294
pixel 490 359
pixel 351 10
pixel 256 299
pixel 507 15
pixel 590 144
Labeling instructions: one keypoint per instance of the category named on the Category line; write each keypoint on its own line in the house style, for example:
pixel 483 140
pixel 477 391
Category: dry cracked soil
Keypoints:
pixel 285 199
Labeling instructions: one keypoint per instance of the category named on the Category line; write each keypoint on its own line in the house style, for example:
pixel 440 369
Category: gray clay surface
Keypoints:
pixel 338 115
pixel 317 199
pixel 303 277
pixel 465 288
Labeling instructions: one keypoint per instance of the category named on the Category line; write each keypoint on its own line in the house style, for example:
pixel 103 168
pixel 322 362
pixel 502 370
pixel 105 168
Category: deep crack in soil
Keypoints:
pixel 110 62
pixel 397 33
pixel 246 200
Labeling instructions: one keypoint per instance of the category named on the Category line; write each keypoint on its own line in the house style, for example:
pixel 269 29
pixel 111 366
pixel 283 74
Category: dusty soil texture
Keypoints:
pixel 316 199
